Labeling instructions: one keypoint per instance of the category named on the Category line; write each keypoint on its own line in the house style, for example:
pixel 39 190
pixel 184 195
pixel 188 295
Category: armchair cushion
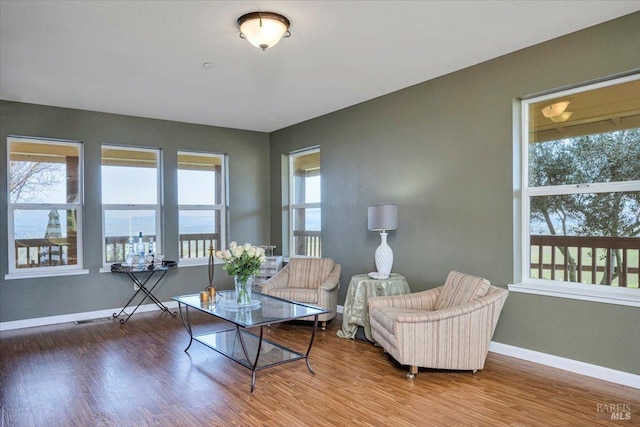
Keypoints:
pixel 460 288
pixel 309 296
pixel 309 275
pixel 308 280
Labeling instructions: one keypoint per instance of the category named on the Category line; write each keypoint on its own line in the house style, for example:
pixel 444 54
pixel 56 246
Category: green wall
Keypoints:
pixel 248 203
pixel 443 151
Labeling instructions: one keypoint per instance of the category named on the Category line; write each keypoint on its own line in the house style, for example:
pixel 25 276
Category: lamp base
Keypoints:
pixel 384 257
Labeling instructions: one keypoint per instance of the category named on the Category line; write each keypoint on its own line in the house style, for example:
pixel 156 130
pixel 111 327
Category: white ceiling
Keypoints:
pixel 145 58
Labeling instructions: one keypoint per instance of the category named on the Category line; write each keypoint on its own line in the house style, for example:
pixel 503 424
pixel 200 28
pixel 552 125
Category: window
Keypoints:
pixel 130 199
pixel 581 190
pixel 45 207
pixel 304 182
pixel 201 200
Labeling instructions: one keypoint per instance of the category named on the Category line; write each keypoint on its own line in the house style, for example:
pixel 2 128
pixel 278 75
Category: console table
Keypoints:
pixel 250 350
pixel 140 276
pixel 356 308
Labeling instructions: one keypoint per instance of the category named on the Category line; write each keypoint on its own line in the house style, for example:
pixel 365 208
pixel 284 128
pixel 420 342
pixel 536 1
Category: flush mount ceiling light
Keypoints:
pixel 560 118
pixel 555 109
pixel 556 112
pixel 263 29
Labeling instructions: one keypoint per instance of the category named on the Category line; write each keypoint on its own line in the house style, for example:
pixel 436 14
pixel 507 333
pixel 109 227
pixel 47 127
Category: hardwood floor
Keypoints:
pixel 105 374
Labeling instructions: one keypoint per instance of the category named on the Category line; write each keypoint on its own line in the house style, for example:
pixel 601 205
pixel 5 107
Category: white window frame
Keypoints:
pixel 60 270
pixel 222 208
pixel 293 206
pixel 120 207
pixel 523 194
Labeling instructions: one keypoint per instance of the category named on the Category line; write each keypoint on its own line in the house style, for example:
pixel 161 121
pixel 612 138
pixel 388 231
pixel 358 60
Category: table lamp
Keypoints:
pixel 383 218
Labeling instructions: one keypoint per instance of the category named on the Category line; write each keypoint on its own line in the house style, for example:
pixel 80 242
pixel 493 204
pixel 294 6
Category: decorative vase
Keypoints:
pixel 384 257
pixel 243 289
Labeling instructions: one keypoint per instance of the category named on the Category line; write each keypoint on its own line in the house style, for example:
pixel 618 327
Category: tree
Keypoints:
pixel 28 181
pixel 606 157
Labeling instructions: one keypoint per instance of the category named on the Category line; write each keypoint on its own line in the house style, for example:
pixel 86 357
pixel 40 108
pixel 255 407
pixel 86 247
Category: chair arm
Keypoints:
pixel 333 279
pixel 466 309
pixel 424 300
pixel 279 281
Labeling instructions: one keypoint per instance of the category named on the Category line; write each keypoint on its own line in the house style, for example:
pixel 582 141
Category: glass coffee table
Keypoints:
pixel 237 343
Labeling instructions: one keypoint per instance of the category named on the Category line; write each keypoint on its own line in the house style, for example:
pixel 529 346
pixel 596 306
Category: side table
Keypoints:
pixel 356 309
pixel 146 273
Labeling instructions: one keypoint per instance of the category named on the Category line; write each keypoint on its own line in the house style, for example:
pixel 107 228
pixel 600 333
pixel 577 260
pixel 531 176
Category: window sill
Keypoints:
pixel 40 274
pixel 619 296
pixel 195 262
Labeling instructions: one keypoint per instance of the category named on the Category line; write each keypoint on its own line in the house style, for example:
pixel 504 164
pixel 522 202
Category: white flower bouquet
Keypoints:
pixel 242 262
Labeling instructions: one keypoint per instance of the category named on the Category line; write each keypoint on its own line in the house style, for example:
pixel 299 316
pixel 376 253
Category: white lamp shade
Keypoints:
pixel 263 30
pixel 382 217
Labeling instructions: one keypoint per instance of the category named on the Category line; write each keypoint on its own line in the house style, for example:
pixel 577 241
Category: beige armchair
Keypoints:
pixel 308 280
pixel 449 327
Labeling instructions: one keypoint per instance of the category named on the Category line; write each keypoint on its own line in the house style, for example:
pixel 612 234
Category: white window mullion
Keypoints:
pixel 599 187
pixel 306 206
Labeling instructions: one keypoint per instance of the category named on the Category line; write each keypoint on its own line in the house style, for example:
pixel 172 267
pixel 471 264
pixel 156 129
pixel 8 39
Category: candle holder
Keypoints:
pixel 211 290
pixel 204 296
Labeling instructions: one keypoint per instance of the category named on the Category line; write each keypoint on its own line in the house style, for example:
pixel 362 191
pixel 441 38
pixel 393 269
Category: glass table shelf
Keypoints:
pixel 238 344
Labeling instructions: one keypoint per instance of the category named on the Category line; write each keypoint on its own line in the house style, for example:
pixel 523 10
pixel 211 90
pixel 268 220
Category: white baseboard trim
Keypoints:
pixel 76 317
pixel 340 309
pixel 575 366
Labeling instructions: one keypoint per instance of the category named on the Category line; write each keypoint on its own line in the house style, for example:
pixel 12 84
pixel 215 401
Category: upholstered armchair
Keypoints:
pixel 308 280
pixel 449 327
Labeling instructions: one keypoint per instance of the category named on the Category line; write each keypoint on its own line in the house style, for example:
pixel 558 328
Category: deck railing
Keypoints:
pixel 42 252
pixel 191 245
pixel 613 261
pixel 116 248
pixel 307 243
pixel 54 251
pixel 196 245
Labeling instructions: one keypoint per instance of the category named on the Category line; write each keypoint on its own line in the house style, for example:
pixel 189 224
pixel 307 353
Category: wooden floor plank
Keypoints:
pixel 137 374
